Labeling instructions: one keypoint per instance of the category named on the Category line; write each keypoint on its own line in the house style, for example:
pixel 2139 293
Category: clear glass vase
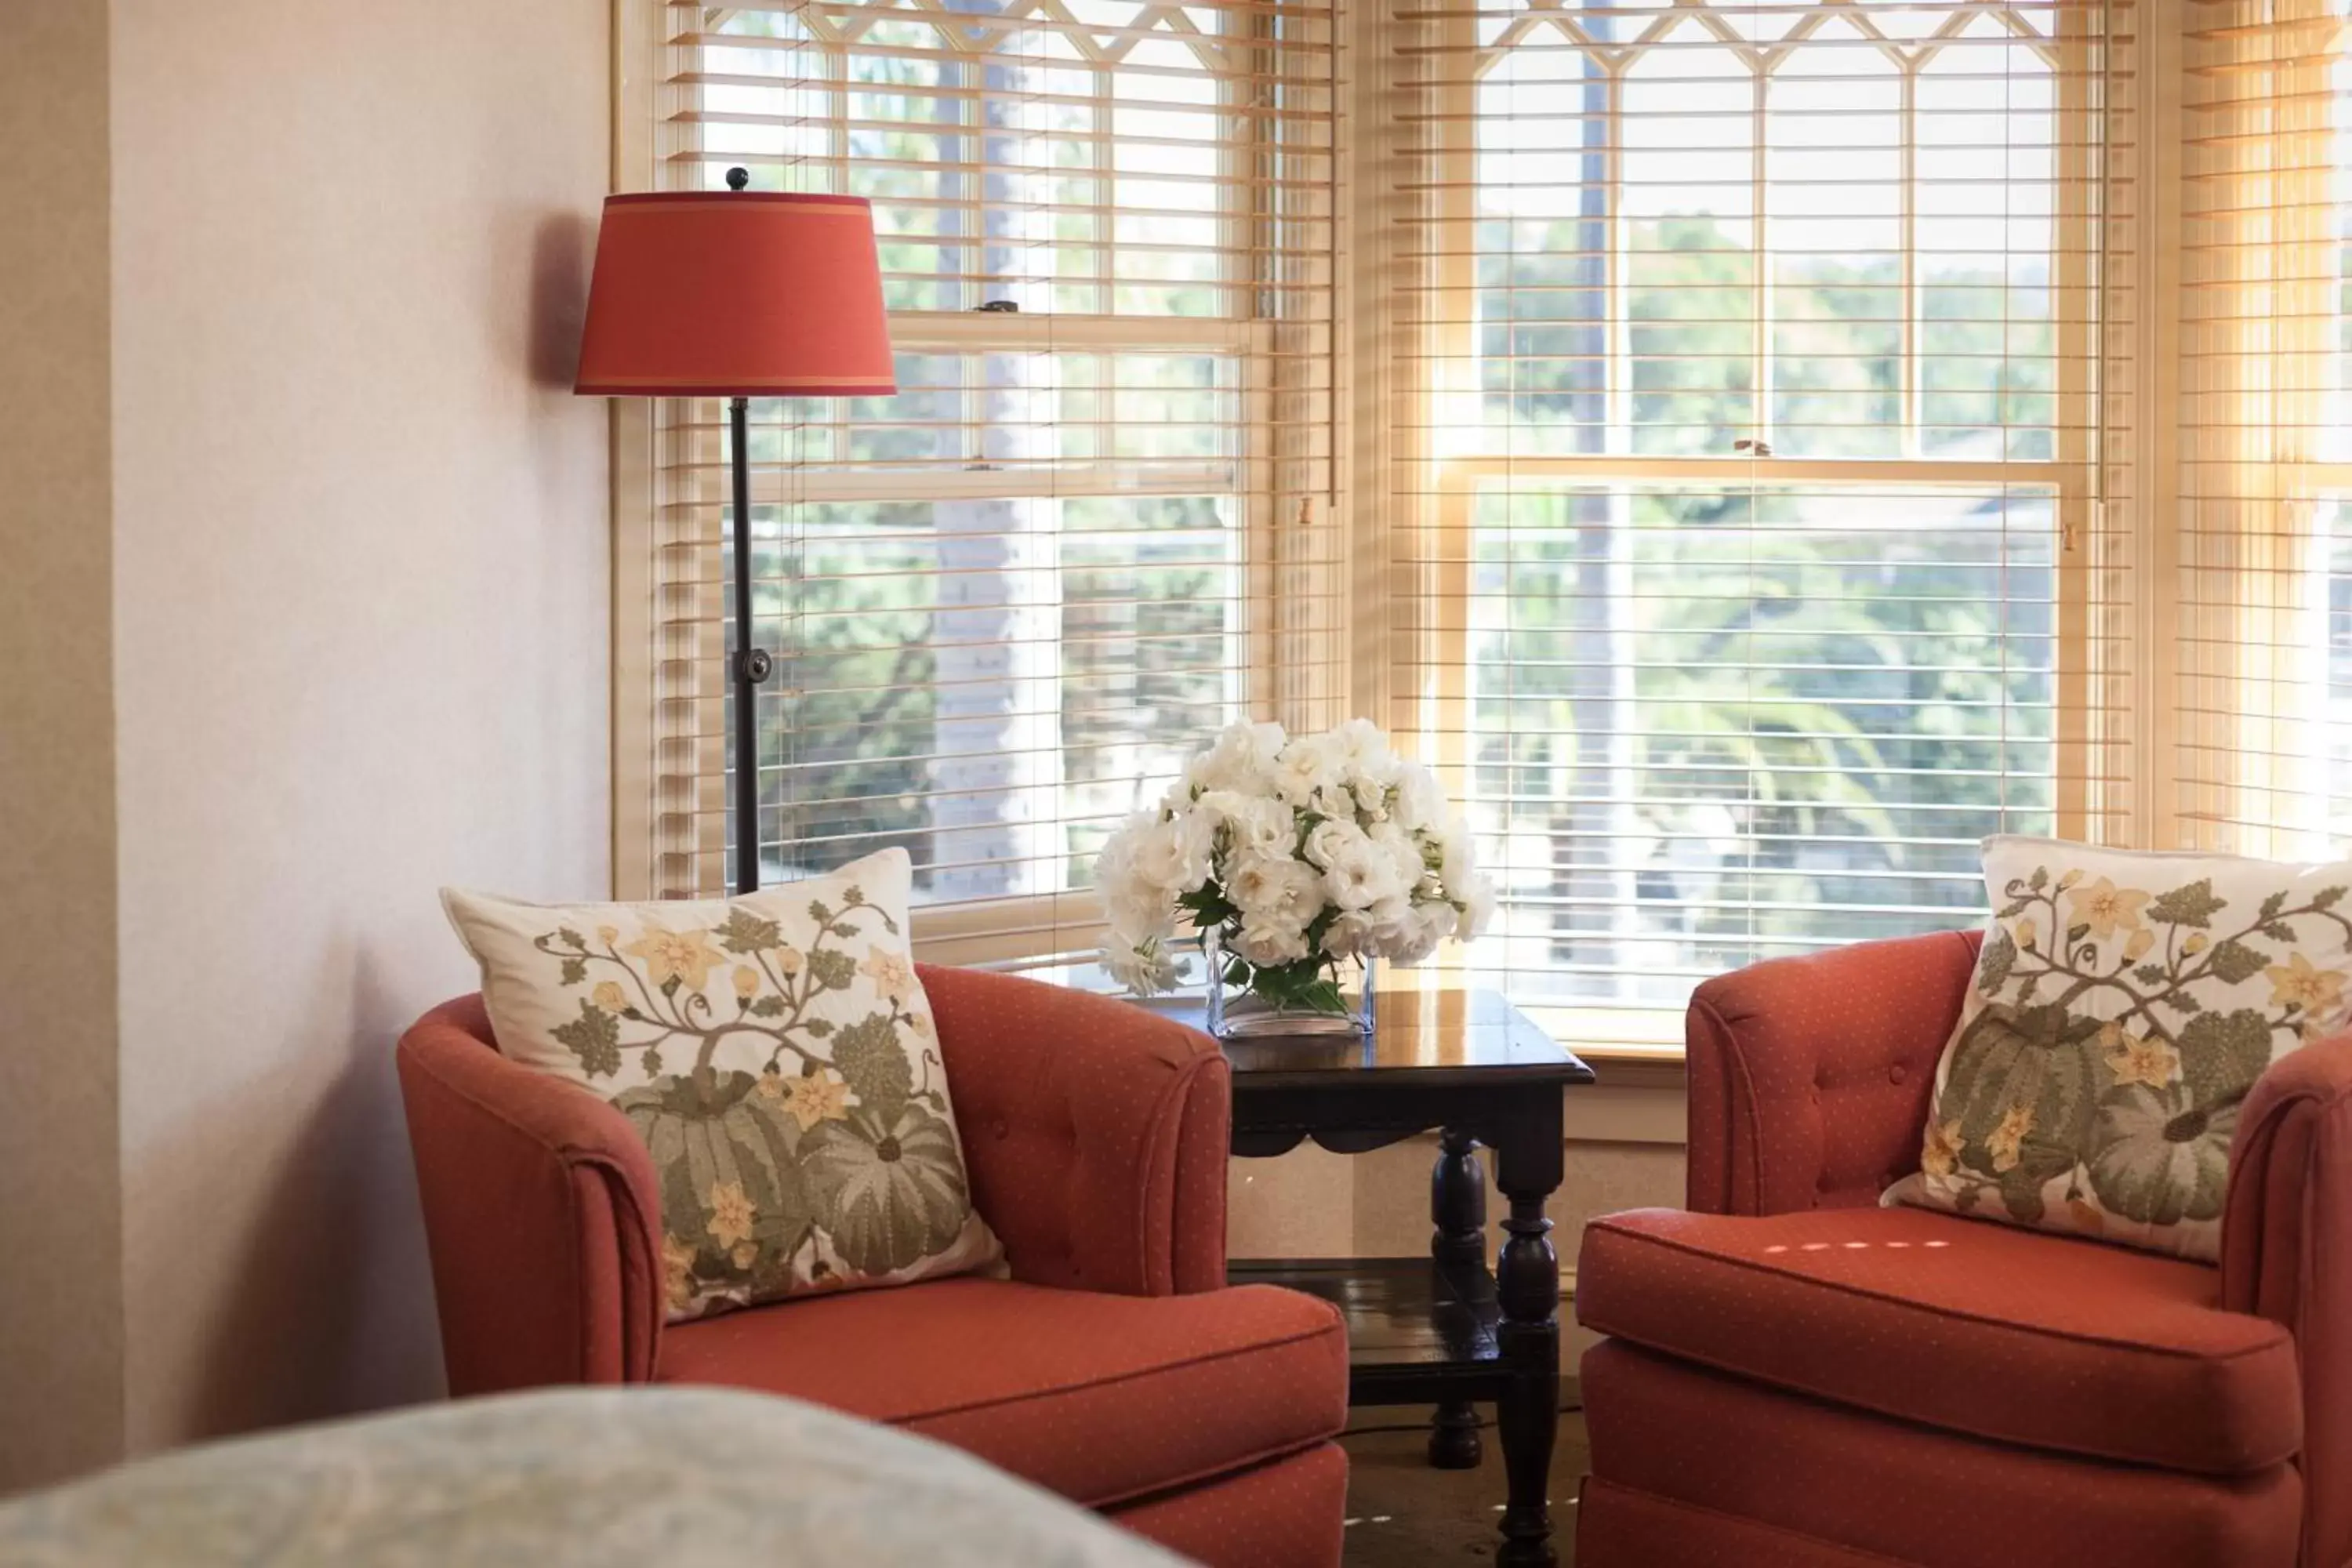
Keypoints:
pixel 1240 1012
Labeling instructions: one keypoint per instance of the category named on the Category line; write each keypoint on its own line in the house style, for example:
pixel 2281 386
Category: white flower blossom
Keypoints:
pixel 1174 855
pixel 1330 839
pixel 1257 825
pixel 1421 802
pixel 1145 969
pixel 1412 936
pixel 1349 935
pixel 1308 769
pixel 1132 902
pixel 1276 890
pixel 1361 876
pixel 1477 908
pixel 1240 759
pixel 1457 863
pixel 1363 751
pixel 1404 851
pixel 1271 942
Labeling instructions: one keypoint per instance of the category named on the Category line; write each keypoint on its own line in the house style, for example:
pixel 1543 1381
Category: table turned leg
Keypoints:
pixel 1458 1242
pixel 1526 1286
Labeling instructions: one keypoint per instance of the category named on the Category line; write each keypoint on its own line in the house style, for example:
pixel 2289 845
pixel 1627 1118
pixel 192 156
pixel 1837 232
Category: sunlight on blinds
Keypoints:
pixel 1097 520
pixel 2266 459
pixel 1753 468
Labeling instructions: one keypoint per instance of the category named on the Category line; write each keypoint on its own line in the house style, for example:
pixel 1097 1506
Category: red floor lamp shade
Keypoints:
pixel 737 294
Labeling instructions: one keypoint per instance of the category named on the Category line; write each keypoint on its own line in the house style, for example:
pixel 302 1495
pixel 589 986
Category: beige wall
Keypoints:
pixel 60 1298
pixel 360 619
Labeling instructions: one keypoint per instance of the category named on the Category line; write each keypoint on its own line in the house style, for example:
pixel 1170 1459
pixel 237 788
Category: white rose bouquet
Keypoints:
pixel 1293 853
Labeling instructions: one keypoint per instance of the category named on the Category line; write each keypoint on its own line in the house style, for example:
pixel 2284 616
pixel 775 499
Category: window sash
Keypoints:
pixel 1459 449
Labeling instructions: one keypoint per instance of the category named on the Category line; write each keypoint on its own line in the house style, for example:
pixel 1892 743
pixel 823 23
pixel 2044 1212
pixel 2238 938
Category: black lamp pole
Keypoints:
pixel 750 665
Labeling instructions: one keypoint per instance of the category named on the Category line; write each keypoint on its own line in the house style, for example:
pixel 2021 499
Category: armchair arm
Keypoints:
pixel 1809 1077
pixel 542 1216
pixel 1094 1132
pixel 2286 1254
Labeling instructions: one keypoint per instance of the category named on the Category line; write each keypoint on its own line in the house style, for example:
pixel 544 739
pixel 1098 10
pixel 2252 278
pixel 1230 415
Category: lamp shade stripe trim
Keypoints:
pixel 742 386
pixel 817 204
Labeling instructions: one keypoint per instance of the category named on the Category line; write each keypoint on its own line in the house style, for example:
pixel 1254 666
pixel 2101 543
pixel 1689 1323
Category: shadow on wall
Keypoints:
pixel 329 1308
pixel 560 260
pixel 569 477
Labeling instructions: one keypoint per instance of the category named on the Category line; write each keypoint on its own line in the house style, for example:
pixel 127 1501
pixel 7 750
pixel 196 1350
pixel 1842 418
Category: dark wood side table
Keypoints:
pixel 1444 1328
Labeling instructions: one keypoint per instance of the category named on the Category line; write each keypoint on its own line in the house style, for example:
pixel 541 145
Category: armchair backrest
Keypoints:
pixel 1810 1076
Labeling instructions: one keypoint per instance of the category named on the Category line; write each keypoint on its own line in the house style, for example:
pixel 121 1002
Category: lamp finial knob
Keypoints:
pixel 738 177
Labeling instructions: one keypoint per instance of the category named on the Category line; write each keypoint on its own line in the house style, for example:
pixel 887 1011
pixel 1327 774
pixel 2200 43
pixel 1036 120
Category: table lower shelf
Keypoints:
pixel 1415 1331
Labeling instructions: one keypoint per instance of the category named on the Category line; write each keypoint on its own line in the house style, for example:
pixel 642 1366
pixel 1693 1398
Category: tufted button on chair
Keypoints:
pixel 1114 1366
pixel 1798 1378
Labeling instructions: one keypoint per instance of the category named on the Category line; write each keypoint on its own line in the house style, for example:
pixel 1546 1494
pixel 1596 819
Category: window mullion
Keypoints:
pixel 1761 286
pixel 1910 365
pixel 1617 299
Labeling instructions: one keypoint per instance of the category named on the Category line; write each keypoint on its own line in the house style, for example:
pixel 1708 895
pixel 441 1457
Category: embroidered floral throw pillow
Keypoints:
pixel 776 1053
pixel 2123 1006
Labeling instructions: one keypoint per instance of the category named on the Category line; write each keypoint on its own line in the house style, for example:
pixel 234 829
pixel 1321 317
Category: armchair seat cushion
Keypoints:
pixel 1791 1482
pixel 1098 1397
pixel 1969 1327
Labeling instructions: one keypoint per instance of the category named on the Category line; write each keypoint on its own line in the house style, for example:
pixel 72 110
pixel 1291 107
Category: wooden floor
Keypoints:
pixel 1402 1514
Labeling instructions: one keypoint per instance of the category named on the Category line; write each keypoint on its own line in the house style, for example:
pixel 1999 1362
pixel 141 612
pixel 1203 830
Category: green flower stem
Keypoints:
pixel 587 955
pixel 799 1002
pixel 782 985
pixel 2176 978
pixel 674 1020
pixel 1311 982
pixel 651 1008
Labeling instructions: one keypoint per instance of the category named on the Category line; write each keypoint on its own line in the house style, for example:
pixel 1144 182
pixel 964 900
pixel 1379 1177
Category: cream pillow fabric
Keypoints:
pixel 2124 1005
pixel 777 1056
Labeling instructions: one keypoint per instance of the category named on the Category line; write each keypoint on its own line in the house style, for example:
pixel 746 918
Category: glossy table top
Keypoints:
pixel 1422 1037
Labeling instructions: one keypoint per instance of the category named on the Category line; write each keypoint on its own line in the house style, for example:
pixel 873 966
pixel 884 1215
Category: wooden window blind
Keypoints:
pixel 1097 520
pixel 2265 472
pixel 1755 475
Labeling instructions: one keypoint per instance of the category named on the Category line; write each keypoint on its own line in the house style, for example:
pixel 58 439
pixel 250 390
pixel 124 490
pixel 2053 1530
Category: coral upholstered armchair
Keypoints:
pixel 1797 1377
pixel 1115 1367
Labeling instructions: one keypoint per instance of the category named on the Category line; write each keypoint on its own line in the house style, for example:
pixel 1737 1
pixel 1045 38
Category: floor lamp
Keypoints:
pixel 737 294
